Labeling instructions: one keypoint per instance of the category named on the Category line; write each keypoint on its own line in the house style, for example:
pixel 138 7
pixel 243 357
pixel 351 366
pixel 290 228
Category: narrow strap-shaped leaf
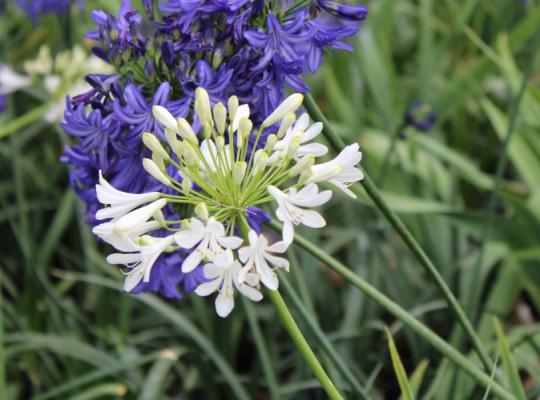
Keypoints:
pixel 403 380
pixel 508 362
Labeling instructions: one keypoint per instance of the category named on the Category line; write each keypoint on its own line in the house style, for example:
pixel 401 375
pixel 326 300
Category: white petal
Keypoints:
pixel 133 279
pixel 224 304
pixel 123 258
pixel 207 288
pixel 288 231
pixel 313 131
pixel 230 242
pixel 134 218
pixel 312 219
pixel 317 149
pixel 192 261
pixel 187 239
pixel 251 293
pixel 278 247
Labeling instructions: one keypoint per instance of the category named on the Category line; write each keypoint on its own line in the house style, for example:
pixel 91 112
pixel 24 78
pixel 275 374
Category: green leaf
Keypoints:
pixel 154 383
pixel 509 364
pixel 404 384
pixel 418 376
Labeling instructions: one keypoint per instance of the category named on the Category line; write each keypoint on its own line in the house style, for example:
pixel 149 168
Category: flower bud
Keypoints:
pixel 158 161
pixel 164 117
pixel 186 184
pixel 220 144
pixel 151 167
pixel 270 143
pixel 202 105
pixel 201 210
pixel 290 104
pixel 189 154
pixel 302 165
pixel 153 144
pixel 241 113
pixel 220 117
pixel 293 146
pixel 326 174
pixel 244 128
pixel 186 131
pixel 158 216
pixel 286 123
pixel 260 161
pixel 233 107
pixel 239 171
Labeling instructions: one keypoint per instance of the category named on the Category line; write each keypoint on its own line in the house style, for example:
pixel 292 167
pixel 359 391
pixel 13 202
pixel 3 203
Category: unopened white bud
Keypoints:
pixel 153 144
pixel 158 161
pixel 220 117
pixel 189 154
pixel 260 161
pixel 241 113
pixel 220 144
pixel 207 130
pixel 186 184
pixel 293 145
pixel 290 104
pixel 286 123
pixel 233 107
pixel 151 167
pixel 239 171
pixel 302 165
pixel 202 105
pixel 186 131
pixel 164 117
pixel 201 210
pixel 244 128
pixel 271 141
pixel 158 216
pixel 174 143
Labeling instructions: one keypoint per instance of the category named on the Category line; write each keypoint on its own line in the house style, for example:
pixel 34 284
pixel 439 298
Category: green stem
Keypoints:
pixel 322 339
pixel 262 349
pixel 303 346
pixel 2 358
pixel 23 120
pixel 406 318
pixel 372 191
pixel 296 334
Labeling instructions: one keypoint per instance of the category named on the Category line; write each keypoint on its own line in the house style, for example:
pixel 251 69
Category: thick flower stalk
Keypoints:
pixel 218 181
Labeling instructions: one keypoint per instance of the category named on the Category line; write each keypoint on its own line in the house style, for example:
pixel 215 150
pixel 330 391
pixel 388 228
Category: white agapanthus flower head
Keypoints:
pixel 224 176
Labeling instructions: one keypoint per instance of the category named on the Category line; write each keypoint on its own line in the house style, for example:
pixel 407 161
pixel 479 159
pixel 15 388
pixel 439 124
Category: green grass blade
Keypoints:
pixel 508 362
pixel 405 386
pixel 154 384
pixel 103 391
pixel 418 376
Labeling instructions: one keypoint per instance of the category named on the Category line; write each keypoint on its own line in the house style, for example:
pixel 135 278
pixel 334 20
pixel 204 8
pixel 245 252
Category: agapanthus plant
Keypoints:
pixel 251 49
pixel 214 185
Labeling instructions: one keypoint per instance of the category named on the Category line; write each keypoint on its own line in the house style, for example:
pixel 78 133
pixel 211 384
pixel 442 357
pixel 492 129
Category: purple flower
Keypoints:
pixel 35 8
pixel 256 217
pixel 137 112
pixel 3 103
pixel 420 116
pixel 344 11
pixel 94 131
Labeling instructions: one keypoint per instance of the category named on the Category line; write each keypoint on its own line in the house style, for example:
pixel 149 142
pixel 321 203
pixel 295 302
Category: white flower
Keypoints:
pixel 223 274
pixel 124 241
pixel 290 104
pixel 258 255
pixel 290 210
pixel 341 171
pixel 211 240
pixel 10 81
pixel 141 262
pixel 302 130
pixel 120 202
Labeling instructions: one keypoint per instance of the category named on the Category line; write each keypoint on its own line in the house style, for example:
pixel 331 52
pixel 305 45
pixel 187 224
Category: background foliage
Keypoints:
pixel 469 189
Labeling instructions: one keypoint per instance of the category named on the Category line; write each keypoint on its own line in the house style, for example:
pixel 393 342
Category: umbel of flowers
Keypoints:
pixel 217 181
pixel 254 49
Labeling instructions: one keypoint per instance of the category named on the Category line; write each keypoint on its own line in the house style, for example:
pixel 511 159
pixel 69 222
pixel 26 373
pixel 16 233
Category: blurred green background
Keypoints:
pixel 469 189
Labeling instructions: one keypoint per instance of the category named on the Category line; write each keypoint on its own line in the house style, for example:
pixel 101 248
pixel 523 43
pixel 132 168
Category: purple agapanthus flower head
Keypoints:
pixel 3 103
pixel 420 116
